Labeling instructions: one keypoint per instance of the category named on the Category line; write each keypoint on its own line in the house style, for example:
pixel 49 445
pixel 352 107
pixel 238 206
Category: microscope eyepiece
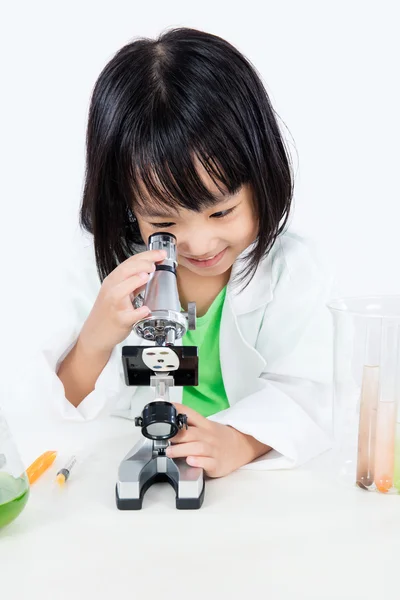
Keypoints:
pixel 164 241
pixel 166 236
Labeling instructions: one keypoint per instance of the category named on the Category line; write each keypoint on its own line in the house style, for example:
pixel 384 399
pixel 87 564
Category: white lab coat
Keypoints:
pixel 276 354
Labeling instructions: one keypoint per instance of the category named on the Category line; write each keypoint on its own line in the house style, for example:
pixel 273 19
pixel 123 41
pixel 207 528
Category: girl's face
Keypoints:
pixel 208 242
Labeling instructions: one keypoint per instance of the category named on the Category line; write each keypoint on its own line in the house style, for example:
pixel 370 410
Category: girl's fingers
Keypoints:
pixel 194 418
pixel 192 434
pixel 130 286
pixel 125 271
pixel 145 261
pixel 189 449
pixel 140 313
pixel 208 464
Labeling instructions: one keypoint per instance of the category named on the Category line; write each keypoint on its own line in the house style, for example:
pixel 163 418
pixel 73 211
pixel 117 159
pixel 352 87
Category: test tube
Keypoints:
pixel 387 409
pixel 368 406
pixel 396 479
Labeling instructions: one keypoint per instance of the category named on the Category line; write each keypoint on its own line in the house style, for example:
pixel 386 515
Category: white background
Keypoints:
pixel 331 69
pixel 332 72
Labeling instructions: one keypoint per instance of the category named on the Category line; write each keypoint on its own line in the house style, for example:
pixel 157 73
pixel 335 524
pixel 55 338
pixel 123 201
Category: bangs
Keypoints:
pixel 177 165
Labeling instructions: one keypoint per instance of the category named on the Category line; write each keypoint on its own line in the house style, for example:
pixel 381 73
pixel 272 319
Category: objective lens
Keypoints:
pixel 160 421
pixel 159 430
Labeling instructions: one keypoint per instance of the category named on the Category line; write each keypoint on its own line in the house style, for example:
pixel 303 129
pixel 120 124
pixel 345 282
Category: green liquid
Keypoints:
pixel 14 495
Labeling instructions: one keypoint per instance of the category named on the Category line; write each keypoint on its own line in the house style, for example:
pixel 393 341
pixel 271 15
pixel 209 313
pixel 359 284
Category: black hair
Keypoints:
pixel 158 107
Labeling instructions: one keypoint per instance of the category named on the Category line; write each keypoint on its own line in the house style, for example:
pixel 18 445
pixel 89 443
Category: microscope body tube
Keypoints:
pixel 161 290
pixel 387 408
pixel 166 322
pixel 368 407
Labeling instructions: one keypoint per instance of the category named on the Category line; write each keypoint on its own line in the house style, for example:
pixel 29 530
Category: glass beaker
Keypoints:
pixel 14 484
pixel 366 391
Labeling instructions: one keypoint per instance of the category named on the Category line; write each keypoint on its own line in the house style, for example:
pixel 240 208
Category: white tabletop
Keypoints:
pixel 278 535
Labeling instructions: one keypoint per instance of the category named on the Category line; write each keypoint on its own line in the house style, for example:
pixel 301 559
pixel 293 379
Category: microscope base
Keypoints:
pixel 180 503
pixel 144 466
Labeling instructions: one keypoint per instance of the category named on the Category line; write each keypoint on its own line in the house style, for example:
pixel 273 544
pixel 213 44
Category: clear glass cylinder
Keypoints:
pixel 14 484
pixel 366 391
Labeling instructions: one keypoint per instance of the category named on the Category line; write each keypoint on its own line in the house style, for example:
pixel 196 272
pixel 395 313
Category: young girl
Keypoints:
pixel 182 138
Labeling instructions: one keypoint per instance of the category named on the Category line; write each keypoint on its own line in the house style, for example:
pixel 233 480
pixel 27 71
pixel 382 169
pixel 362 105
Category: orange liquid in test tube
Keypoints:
pixel 387 409
pixel 367 427
pixel 368 406
pixel 385 439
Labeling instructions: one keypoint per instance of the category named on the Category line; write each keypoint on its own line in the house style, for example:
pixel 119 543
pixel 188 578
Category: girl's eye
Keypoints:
pixel 162 225
pixel 223 213
pixel 218 215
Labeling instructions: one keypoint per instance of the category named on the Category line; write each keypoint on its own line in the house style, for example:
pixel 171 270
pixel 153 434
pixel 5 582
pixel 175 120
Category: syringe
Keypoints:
pixel 64 473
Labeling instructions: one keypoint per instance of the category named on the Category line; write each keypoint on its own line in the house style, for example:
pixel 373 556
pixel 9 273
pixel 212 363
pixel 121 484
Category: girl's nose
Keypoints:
pixel 195 247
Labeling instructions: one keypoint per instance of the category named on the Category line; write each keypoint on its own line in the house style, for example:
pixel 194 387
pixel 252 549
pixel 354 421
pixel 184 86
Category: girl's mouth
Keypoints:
pixel 209 262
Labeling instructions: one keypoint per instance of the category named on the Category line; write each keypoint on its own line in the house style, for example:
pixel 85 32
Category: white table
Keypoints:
pixel 274 535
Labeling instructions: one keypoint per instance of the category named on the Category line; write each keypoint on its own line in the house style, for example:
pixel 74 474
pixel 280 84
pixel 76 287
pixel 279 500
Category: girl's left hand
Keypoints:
pixel 218 449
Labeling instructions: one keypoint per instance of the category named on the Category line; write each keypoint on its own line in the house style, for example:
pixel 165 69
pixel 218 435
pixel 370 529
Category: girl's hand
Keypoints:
pixel 218 449
pixel 113 315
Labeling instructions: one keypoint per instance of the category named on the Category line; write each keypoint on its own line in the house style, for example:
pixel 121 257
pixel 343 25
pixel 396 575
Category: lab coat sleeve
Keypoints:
pixel 75 301
pixel 290 409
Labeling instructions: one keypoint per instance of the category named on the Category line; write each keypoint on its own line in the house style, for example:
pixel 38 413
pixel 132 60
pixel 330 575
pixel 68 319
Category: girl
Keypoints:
pixel 182 138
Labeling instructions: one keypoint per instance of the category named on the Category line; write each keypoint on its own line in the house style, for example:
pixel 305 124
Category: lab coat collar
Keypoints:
pixel 257 293
pixel 241 364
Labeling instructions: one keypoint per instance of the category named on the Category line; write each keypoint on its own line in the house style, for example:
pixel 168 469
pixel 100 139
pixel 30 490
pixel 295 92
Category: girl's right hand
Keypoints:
pixel 113 315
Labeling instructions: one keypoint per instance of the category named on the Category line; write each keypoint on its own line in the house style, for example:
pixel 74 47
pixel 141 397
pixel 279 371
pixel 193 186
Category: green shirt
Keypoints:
pixel 209 396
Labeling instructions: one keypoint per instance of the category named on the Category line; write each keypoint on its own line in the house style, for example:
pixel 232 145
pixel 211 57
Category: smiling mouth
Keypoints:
pixel 202 259
pixel 210 261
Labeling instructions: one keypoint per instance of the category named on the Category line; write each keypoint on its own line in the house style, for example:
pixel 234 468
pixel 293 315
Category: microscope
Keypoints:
pixel 161 365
